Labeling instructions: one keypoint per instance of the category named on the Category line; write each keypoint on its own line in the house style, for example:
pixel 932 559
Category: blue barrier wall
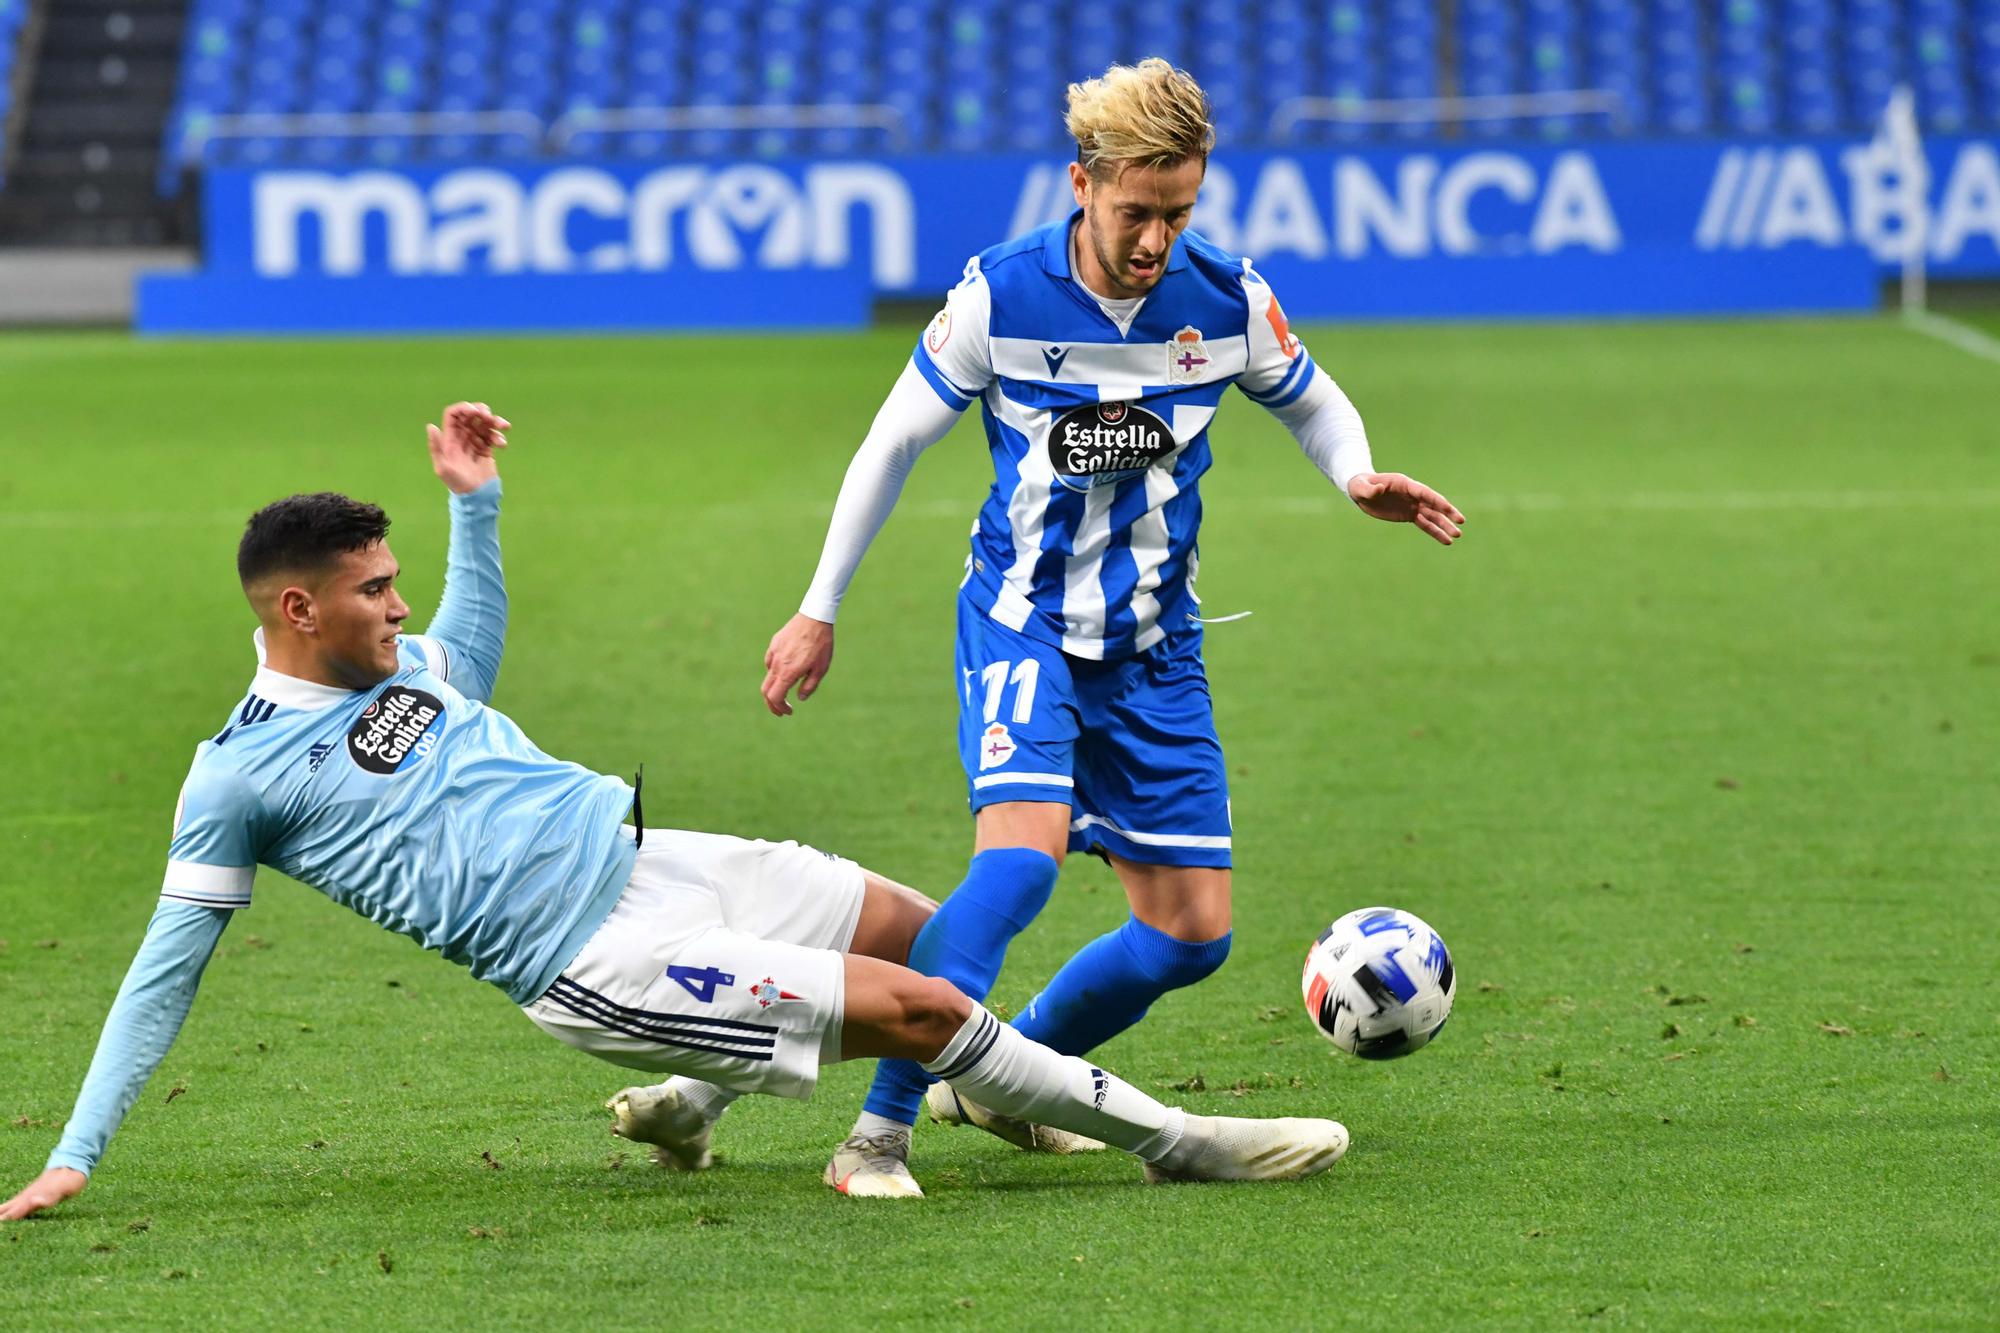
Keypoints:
pixel 1617 228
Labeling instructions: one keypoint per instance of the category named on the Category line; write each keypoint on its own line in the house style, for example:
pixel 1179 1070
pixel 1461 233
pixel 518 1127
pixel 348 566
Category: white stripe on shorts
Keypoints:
pixel 1025 779
pixel 1149 839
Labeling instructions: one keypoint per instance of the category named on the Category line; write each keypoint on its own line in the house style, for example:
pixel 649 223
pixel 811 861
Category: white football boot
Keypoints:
pixel 948 1107
pixel 874 1166
pixel 663 1118
pixel 1228 1148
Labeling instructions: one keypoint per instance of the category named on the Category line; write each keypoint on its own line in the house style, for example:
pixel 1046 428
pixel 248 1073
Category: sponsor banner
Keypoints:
pixel 1491 229
pixel 223 303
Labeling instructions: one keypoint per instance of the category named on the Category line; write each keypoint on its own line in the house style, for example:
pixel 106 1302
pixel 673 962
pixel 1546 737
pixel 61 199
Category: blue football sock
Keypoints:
pixel 1111 982
pixel 965 943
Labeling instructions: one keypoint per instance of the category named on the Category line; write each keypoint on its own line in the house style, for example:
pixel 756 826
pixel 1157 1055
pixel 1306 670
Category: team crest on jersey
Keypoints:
pixel 1187 356
pixel 939 333
pixel 398 727
pixel 1104 443
pixel 996 747
pixel 768 993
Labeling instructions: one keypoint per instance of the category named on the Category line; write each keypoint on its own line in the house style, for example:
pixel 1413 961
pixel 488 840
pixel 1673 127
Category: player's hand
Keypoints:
pixel 800 654
pixel 48 1189
pixel 462 451
pixel 1395 498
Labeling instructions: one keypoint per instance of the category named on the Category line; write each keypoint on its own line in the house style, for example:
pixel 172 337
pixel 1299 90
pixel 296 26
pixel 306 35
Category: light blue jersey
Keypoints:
pixel 412 802
pixel 420 808
pixel 1097 420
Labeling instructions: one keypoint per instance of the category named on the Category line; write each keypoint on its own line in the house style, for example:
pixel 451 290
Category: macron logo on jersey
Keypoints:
pixel 1055 356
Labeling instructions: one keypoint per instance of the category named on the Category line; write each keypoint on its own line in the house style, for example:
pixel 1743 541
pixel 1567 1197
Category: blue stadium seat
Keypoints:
pixel 981 75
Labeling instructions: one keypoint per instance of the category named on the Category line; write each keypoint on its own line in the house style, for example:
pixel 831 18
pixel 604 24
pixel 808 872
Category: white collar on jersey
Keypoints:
pixel 308 696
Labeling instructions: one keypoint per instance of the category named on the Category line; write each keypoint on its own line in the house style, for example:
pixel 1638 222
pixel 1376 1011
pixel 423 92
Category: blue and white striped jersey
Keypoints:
pixel 1099 434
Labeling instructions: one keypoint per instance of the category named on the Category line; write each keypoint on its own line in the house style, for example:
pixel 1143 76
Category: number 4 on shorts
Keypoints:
pixel 701 981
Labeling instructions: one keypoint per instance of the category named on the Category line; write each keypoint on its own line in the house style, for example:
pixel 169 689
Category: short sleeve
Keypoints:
pixel 1279 366
pixel 955 355
pixel 422 650
pixel 213 857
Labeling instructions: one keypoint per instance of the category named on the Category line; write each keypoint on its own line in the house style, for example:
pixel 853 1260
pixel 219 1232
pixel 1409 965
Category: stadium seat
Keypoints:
pixel 988 75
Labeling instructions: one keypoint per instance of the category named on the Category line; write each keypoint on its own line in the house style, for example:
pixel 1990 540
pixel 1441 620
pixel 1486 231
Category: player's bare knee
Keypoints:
pixel 933 1012
pixel 1198 924
pixel 891 916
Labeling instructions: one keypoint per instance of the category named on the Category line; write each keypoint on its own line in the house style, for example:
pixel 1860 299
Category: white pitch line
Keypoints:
pixel 1960 335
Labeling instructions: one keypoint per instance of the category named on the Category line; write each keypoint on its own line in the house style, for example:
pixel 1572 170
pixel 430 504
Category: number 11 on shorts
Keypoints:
pixel 1024 679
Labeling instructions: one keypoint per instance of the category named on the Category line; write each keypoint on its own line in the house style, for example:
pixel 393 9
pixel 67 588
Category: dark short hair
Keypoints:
pixel 306 533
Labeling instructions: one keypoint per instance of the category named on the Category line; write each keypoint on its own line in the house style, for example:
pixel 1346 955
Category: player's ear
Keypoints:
pixel 297 611
pixel 1079 184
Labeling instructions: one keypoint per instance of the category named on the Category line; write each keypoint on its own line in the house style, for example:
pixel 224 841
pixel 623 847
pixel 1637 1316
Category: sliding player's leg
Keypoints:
pixel 891 1011
pixel 762 888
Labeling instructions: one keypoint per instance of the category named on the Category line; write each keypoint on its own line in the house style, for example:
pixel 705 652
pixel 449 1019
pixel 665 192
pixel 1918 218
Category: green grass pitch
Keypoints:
pixel 1688 750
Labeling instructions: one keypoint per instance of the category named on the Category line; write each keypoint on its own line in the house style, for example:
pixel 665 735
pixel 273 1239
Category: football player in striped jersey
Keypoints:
pixel 1099 348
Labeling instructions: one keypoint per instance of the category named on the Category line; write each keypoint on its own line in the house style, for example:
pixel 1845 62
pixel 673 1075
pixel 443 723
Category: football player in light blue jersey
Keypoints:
pixel 1099 348
pixel 365 763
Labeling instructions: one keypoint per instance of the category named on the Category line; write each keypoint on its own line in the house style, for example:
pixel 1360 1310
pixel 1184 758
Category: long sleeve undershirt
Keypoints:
pixel 1329 430
pixel 144 1020
pixel 471 618
pixel 913 418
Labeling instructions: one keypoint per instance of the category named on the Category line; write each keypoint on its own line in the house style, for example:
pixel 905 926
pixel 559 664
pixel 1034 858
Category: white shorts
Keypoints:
pixel 721 961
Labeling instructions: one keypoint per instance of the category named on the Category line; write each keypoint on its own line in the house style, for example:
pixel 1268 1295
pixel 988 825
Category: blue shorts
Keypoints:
pixel 1129 745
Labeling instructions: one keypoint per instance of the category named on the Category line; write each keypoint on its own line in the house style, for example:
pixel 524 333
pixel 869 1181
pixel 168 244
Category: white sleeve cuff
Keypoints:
pixel 208 886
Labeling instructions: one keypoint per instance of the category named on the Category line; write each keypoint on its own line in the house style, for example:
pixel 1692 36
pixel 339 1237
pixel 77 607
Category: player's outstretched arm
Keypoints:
pixel 1329 431
pixel 1282 376
pixel 471 619
pixel 144 1020
pixel 912 419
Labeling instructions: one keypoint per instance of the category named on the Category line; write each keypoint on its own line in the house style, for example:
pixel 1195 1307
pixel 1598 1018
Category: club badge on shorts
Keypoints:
pixel 768 994
pixel 996 747
pixel 1187 356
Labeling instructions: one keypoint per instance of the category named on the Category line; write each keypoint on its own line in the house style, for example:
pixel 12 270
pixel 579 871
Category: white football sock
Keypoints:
pixel 868 1125
pixel 996 1066
pixel 706 1098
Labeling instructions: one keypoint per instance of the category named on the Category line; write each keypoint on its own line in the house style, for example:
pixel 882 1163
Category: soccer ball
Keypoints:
pixel 1378 983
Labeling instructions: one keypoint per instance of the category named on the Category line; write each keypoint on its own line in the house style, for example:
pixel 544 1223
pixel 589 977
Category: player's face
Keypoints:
pixel 1131 221
pixel 358 614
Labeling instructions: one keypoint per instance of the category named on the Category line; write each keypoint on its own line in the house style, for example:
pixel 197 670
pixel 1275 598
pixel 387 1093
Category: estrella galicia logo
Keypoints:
pixel 1105 443
pixel 398 726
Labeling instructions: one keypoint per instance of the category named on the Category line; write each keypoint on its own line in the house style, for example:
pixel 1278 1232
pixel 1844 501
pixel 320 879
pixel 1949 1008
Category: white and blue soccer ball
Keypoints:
pixel 1379 983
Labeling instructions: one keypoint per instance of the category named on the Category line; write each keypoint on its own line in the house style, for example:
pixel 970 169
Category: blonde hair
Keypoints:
pixel 1149 114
